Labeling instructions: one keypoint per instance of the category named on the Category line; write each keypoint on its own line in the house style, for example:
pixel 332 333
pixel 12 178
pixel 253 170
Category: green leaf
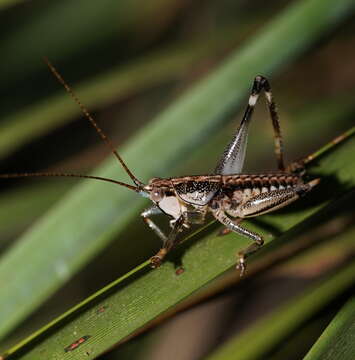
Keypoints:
pixel 338 339
pixel 19 207
pixel 88 218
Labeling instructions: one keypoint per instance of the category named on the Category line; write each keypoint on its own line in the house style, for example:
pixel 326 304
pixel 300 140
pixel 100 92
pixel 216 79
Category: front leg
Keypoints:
pixel 170 242
pixel 233 225
pixel 146 214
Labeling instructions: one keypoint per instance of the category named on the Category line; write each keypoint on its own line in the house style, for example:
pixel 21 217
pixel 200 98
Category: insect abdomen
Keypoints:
pixel 252 185
pixel 251 195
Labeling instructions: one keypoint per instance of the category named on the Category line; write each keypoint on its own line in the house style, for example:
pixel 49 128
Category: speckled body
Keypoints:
pixel 240 195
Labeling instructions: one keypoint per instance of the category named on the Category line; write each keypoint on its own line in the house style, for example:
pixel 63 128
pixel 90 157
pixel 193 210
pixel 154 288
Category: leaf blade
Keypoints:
pixel 337 341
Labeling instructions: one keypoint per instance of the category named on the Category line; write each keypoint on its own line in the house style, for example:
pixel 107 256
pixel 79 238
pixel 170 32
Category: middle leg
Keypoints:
pixel 234 225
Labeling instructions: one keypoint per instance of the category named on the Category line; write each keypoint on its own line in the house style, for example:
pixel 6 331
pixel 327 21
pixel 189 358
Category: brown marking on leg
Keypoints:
pixel 156 260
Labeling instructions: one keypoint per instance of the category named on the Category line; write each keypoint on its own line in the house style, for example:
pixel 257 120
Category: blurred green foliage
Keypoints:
pixel 129 61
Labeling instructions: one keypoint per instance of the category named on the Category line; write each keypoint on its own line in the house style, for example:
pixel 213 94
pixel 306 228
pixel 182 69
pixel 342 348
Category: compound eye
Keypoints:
pixel 156 194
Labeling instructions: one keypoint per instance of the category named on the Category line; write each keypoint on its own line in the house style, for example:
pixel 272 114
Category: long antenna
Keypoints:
pixel 48 174
pixel 93 122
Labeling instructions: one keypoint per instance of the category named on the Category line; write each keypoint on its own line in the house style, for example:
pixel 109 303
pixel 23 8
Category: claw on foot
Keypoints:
pixel 178 272
pixel 155 261
pixel 241 266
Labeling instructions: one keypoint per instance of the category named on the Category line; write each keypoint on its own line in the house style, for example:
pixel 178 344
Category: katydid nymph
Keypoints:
pixel 228 194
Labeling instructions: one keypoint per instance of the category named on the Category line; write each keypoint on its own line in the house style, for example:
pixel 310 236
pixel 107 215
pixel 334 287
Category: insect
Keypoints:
pixel 228 194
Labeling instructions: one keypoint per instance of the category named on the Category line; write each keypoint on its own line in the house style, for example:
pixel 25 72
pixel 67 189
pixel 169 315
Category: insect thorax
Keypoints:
pixel 188 196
